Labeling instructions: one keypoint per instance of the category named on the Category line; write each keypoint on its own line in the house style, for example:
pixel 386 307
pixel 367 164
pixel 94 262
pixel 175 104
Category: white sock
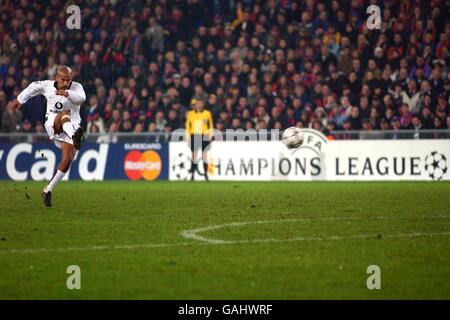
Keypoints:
pixel 58 176
pixel 68 129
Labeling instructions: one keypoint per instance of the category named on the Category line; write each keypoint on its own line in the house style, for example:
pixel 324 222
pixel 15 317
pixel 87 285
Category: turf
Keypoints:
pixel 275 240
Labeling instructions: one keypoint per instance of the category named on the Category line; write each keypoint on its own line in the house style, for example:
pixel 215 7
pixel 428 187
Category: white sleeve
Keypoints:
pixel 35 88
pixel 75 114
pixel 76 95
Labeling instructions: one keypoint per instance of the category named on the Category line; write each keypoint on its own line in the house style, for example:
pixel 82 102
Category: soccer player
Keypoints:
pixel 62 120
pixel 199 125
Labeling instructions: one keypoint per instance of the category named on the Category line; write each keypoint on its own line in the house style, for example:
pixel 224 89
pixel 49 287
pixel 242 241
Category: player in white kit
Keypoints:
pixel 62 120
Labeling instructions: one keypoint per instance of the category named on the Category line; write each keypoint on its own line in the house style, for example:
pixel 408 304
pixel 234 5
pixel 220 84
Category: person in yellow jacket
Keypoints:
pixel 199 125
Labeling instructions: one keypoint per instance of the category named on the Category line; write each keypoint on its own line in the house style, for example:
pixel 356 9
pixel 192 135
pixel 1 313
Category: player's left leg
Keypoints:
pixel 68 154
pixel 192 145
pixel 205 160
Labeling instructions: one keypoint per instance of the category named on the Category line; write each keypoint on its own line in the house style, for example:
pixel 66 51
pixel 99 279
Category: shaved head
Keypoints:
pixel 64 70
pixel 63 77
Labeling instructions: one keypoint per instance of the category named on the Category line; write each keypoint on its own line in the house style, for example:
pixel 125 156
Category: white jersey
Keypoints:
pixel 56 104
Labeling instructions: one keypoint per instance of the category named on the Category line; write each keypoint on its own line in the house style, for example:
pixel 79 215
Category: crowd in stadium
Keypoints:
pixel 256 64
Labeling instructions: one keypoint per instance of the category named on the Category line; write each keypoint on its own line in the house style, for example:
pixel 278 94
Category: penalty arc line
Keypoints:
pixel 199 240
pixel 226 242
pixel 193 234
pixel 98 248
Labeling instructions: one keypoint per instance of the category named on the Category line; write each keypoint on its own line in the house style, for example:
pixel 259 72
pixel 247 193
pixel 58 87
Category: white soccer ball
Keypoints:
pixel 292 137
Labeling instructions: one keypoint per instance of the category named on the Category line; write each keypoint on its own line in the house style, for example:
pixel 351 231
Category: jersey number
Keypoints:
pixel 58 106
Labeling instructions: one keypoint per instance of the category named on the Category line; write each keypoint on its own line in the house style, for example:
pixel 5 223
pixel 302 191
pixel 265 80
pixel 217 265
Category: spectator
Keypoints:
pixel 160 121
pixel 27 127
pixel 411 96
pixel 92 133
pixel 39 129
pixel 11 119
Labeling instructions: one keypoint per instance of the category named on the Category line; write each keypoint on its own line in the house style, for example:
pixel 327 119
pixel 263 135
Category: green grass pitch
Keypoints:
pixel 226 240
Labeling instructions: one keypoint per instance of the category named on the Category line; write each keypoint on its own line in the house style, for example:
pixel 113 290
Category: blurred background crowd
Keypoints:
pixel 256 64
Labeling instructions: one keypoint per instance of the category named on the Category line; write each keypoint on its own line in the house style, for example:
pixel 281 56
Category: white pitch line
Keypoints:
pixel 335 238
pixel 95 248
pixel 223 242
pixel 193 235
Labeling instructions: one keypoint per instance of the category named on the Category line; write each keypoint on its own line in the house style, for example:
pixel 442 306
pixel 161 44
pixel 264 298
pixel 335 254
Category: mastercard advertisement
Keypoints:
pixel 94 162
pixel 143 165
pixel 137 161
pixel 144 161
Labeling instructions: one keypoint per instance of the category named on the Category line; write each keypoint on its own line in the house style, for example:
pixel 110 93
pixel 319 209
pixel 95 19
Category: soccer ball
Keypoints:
pixel 292 137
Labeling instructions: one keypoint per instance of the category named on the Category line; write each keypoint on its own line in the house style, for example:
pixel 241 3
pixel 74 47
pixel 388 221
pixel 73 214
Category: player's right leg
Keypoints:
pixel 60 125
pixel 63 123
pixel 193 164
pixel 68 154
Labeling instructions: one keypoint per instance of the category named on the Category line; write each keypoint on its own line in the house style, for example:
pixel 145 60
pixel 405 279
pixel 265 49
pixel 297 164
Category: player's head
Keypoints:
pixel 63 77
pixel 199 105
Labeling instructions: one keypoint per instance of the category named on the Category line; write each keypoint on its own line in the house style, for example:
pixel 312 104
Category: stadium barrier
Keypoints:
pixel 391 134
pixel 151 137
pixel 38 161
pixel 318 158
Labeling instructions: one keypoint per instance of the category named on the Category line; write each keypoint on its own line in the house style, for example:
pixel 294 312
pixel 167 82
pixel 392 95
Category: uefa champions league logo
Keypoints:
pixel 181 166
pixel 436 165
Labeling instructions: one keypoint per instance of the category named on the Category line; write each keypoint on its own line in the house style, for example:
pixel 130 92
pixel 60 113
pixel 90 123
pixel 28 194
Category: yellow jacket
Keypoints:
pixel 198 122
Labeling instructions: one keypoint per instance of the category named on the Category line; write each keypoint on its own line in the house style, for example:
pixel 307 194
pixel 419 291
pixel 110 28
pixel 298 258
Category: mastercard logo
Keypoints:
pixel 145 165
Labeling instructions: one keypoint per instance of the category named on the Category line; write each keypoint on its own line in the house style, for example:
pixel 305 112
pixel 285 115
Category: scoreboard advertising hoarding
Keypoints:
pixel 134 161
pixel 343 161
pixel 316 159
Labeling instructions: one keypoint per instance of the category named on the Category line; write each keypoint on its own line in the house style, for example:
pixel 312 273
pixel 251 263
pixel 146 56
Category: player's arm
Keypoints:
pixel 35 88
pixel 210 121
pixel 188 125
pixel 209 124
pixel 76 95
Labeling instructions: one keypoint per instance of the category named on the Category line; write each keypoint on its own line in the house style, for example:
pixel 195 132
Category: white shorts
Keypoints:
pixel 58 138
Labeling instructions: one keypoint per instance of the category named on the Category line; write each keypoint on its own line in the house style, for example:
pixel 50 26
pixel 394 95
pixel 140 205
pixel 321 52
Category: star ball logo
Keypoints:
pixel 181 166
pixel 436 165
pixel 145 165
